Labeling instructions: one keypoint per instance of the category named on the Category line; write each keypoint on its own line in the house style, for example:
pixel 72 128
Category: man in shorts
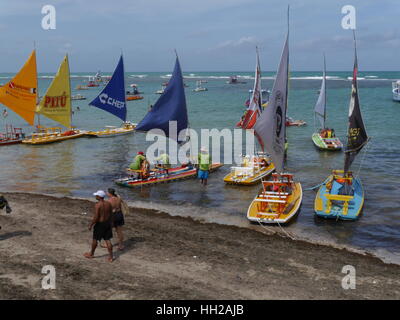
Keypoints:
pixel 102 225
pixel 204 165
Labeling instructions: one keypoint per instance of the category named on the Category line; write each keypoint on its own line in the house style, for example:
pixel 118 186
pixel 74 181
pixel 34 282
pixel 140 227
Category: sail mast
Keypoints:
pixel 37 87
pixel 69 80
pixel 324 91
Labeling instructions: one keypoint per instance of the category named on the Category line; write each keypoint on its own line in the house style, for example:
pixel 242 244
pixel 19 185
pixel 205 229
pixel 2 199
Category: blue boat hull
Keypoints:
pixel 326 208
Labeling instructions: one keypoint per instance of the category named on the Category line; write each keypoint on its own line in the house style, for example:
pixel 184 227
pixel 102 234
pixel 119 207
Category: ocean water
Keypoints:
pixel 80 167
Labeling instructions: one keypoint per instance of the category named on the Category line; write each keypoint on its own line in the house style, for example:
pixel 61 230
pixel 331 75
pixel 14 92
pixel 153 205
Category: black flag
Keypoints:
pixel 356 135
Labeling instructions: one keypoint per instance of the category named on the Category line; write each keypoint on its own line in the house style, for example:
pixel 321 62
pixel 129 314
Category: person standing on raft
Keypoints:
pixel 102 225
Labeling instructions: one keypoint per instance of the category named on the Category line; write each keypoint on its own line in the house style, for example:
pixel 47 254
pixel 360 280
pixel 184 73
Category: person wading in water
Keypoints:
pixel 102 225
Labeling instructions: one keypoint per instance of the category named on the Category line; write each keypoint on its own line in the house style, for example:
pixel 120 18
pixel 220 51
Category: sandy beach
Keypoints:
pixel 171 258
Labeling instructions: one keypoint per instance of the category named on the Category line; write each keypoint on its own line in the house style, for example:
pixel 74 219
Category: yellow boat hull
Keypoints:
pixel 271 215
pixel 110 133
pixel 51 138
pixel 248 180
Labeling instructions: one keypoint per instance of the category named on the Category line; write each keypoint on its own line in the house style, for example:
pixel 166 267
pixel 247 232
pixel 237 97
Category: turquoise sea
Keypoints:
pixel 80 167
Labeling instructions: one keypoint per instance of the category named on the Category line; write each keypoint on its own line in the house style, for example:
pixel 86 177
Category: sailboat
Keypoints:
pixel 341 195
pixel 280 198
pixel 112 100
pixel 253 167
pixel 171 106
pixel 20 95
pixel 199 88
pixel 324 138
pixel 56 105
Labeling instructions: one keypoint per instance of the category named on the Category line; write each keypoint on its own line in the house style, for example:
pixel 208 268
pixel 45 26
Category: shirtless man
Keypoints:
pixel 118 217
pixel 102 224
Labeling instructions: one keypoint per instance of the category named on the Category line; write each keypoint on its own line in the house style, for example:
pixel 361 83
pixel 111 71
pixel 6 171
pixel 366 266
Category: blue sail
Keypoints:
pixel 171 106
pixel 112 97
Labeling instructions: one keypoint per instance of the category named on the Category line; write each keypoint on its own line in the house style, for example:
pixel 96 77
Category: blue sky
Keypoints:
pixel 209 35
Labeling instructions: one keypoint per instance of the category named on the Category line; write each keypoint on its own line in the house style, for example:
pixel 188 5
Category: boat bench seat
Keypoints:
pixel 270 200
pixel 267 214
pixel 272 196
pixel 277 193
pixel 336 197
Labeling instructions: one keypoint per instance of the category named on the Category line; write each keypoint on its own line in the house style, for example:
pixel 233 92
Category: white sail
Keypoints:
pixel 270 127
pixel 256 97
pixel 320 106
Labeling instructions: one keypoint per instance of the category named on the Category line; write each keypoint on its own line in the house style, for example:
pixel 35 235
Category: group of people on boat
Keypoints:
pixel 327 133
pixel 141 165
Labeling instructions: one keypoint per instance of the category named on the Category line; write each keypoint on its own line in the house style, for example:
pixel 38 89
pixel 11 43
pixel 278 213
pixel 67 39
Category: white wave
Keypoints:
pixel 317 78
pixel 138 76
pixel 166 76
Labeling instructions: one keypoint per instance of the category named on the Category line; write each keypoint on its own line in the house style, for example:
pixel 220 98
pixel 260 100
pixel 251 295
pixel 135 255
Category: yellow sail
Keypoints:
pixel 56 103
pixel 20 94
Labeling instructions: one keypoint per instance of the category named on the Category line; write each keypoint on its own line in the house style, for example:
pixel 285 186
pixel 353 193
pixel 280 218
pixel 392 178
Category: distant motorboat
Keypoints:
pixel 78 97
pixel 396 90
pixel 290 122
pixel 163 86
pixel 234 80
pixel 135 91
pixel 80 87
pixel 199 88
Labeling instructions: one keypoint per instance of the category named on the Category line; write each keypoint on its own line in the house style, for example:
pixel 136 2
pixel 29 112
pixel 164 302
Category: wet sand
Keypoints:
pixel 171 258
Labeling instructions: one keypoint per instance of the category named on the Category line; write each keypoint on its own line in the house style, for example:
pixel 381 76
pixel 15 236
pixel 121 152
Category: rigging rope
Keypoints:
pixel 284 231
pixel 362 160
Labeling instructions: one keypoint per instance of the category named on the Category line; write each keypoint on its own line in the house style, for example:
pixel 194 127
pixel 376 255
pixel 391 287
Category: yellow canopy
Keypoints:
pixel 20 94
pixel 56 103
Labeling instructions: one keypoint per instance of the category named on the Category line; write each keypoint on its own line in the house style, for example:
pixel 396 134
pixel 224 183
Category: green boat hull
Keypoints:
pixel 324 144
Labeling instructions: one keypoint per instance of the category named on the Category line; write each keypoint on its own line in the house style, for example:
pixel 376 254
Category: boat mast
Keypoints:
pixel 123 72
pixel 70 96
pixel 287 88
pixel 37 86
pixel 324 92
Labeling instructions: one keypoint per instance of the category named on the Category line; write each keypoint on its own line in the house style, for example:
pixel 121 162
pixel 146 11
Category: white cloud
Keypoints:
pixel 242 42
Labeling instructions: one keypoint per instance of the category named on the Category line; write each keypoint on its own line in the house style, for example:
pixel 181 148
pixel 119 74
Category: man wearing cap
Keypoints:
pixel 204 165
pixel 101 224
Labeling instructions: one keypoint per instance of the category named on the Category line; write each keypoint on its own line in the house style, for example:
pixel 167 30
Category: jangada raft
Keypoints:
pixel 112 131
pixel 324 138
pixel 332 200
pixel 341 195
pixel 20 95
pixel 160 176
pixel 280 198
pixel 171 106
pixel 278 201
pixel 112 99
pixel 253 169
pixel 56 105
pixel 11 136
pixel 51 135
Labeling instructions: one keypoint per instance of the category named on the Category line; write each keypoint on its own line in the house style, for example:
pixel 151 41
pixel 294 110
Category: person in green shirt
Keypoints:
pixel 137 161
pixel 163 160
pixel 204 165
